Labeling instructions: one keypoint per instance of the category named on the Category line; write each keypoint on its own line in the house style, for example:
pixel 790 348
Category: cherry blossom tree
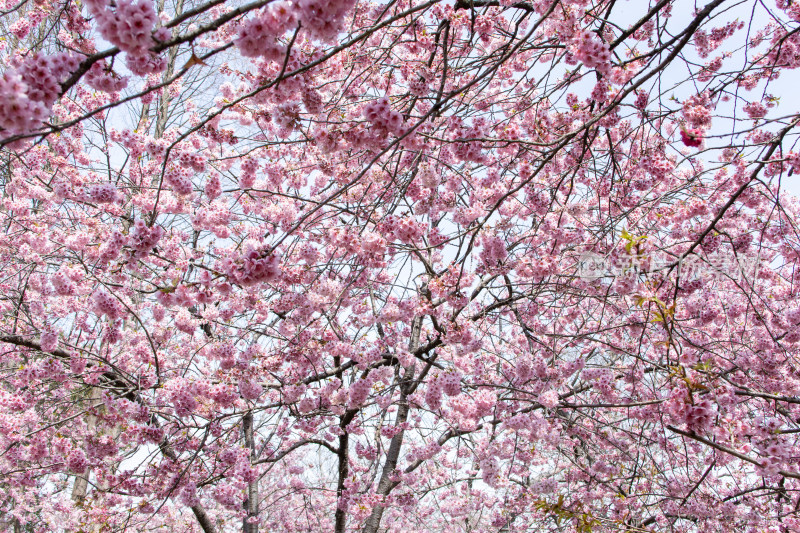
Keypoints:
pixel 452 266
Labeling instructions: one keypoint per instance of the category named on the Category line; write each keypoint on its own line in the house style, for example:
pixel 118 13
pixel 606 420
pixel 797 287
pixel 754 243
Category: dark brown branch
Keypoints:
pixel 720 447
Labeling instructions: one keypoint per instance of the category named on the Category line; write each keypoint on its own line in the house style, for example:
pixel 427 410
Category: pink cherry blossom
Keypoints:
pixel 414 266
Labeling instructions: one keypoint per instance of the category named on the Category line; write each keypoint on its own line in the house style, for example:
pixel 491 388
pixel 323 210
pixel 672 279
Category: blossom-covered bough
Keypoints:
pixel 440 266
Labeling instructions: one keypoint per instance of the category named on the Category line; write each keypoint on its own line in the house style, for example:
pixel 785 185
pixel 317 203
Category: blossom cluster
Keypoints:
pixel 260 36
pixel 105 304
pixel 102 78
pixel 307 278
pixel 592 52
pixel 383 117
pixel 28 91
pixel 103 193
pixel 359 391
pixel 131 26
pixel 143 238
pixel 253 267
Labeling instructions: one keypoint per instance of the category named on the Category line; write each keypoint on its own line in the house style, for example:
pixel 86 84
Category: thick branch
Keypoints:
pixel 725 449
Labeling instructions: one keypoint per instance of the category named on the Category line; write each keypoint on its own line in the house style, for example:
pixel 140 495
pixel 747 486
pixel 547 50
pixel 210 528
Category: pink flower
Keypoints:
pixel 49 341
pixel 102 78
pixel 105 193
pixel 700 417
pixel 755 110
pixel 105 304
pixel 451 382
pixel 76 461
pixel 592 52
pixel 359 391
pixel 692 137
pixel 143 238
pixel 250 389
pixel 548 399
pixel 383 117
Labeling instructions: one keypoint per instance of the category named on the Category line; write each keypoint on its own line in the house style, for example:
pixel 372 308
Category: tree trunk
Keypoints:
pixel 251 503
pixel 81 486
pixel 344 471
pixel 385 485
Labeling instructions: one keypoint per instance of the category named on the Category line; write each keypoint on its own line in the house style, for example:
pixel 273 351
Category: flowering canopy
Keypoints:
pixel 405 266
